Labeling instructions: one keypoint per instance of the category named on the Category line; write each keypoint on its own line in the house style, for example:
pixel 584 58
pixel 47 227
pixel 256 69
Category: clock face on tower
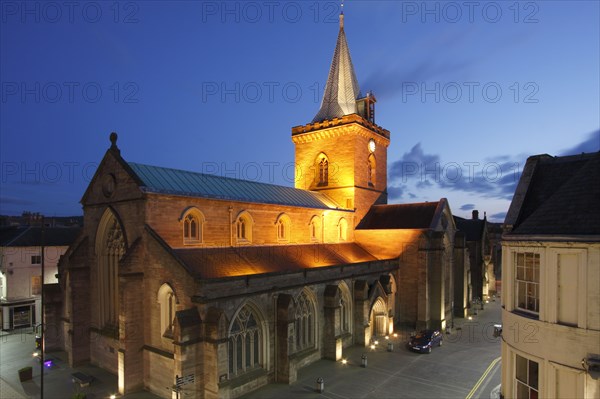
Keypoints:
pixel 372 145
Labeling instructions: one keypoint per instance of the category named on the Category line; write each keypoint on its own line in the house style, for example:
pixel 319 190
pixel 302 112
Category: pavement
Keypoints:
pixel 16 351
pixel 467 366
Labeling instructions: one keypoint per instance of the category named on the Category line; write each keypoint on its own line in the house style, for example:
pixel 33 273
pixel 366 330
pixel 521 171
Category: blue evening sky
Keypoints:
pixel 467 89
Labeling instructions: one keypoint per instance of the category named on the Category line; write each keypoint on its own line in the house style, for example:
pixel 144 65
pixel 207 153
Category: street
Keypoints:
pixel 465 366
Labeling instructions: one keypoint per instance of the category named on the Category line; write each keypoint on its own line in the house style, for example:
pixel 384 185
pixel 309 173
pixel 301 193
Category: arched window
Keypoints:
pixel 344 314
pixel 371 168
pixel 244 342
pixel 322 170
pixel 243 227
pixel 283 225
pixel 315 228
pixel 193 224
pixel 343 230
pixel 110 247
pixel 167 301
pixel 304 322
pixel 345 308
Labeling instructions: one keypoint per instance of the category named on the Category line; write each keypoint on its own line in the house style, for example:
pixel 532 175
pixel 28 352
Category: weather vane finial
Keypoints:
pixel 342 14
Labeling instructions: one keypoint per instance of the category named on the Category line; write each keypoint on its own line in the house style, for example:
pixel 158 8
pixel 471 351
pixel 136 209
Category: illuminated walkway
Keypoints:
pixel 452 371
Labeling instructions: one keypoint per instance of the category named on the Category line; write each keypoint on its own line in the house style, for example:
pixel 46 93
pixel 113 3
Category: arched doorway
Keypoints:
pixel 379 318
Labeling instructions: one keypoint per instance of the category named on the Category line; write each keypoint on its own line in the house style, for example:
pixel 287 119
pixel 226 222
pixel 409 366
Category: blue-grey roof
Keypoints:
pixel 156 179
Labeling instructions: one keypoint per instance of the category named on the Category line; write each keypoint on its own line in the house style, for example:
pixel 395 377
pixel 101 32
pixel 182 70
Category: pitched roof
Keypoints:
pixel 341 89
pixel 473 228
pixel 562 197
pixel 399 216
pixel 32 236
pixel 179 182
pixel 220 262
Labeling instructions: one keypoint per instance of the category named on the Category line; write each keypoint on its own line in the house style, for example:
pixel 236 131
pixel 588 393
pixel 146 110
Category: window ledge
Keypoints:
pixel 243 378
pixel 192 242
pixel 523 313
pixel 302 353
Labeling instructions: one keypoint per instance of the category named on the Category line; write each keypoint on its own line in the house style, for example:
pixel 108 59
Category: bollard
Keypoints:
pixel 320 385
pixel 497 330
pixel 390 347
pixel 363 360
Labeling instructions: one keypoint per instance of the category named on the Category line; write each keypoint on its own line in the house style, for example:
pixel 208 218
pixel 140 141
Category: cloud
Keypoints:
pixel 424 184
pixel 412 164
pixel 591 144
pixel 14 201
pixel 489 179
pixel 494 177
pixel 393 81
pixel 396 192
pixel 498 216
pixel 467 207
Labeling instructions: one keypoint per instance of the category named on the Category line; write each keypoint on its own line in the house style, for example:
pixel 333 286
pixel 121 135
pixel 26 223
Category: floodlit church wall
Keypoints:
pixel 165 217
pixel 340 156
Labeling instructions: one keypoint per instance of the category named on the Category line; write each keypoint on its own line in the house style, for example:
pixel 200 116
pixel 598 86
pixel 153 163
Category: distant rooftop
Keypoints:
pixel 22 236
pixel 399 216
pixel 161 180
pixel 472 228
pixel 562 197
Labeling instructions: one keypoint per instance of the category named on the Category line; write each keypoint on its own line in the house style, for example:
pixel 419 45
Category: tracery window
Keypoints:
pixel 244 228
pixel 244 343
pixel 283 225
pixel 304 322
pixel 110 247
pixel 345 311
pixel 193 223
pixel 322 168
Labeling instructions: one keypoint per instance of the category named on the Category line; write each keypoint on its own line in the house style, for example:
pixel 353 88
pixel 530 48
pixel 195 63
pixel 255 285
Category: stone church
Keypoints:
pixel 240 283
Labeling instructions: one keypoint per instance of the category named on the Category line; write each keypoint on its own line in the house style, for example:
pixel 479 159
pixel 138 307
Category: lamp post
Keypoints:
pixel 43 346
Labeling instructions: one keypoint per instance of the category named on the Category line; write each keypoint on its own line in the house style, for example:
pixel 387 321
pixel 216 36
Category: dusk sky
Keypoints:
pixel 468 90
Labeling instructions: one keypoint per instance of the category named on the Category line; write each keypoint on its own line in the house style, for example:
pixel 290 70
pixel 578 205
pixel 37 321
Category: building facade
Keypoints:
pixel 21 270
pixel 240 283
pixel 551 280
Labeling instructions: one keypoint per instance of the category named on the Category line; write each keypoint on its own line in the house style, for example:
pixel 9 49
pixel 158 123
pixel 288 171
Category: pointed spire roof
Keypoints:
pixel 341 90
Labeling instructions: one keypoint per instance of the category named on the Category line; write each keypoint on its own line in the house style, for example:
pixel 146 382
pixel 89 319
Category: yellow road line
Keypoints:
pixel 485 374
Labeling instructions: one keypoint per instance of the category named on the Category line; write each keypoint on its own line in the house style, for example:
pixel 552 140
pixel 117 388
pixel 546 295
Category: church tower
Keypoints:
pixel 342 152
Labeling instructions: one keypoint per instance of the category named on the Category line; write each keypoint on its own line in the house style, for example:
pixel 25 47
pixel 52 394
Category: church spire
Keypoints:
pixel 341 90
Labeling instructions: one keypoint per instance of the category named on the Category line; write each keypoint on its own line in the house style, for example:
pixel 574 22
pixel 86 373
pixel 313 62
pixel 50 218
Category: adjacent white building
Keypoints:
pixel 551 280
pixel 21 270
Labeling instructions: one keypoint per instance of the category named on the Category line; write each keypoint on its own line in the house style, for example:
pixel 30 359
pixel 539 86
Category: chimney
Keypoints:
pixel 475 214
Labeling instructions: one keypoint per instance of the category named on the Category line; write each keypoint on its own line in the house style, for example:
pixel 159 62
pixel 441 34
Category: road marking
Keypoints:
pixel 483 377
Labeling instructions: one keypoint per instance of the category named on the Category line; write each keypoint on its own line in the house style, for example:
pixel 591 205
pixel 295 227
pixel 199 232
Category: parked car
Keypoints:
pixel 424 340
